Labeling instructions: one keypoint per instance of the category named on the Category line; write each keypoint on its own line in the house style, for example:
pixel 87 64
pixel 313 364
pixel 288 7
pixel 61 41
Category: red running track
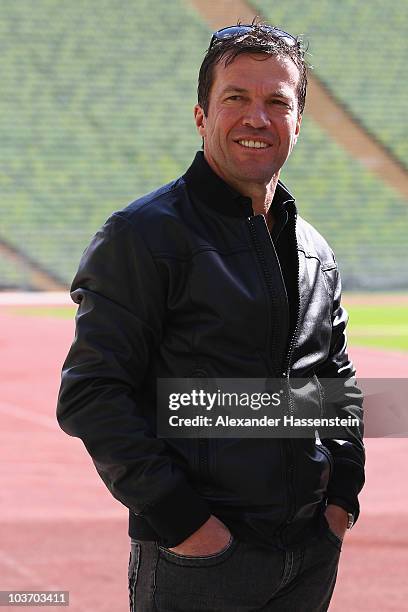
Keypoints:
pixel 61 529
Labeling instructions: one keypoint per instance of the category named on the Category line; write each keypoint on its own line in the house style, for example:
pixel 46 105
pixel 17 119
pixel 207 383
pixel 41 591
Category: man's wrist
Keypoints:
pixel 346 504
pixel 350 515
pixel 337 519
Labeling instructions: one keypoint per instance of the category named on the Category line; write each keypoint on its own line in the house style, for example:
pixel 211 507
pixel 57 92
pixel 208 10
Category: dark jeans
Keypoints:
pixel 240 578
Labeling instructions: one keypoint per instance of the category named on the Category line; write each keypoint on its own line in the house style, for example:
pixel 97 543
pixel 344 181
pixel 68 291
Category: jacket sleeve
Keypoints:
pixel 119 325
pixel 337 377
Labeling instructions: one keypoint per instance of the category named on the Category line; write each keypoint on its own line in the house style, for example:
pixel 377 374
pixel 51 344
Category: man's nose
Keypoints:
pixel 256 116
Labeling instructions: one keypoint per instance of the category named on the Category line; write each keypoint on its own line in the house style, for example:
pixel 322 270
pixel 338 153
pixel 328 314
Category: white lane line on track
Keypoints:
pixel 29 415
pixel 35 581
pixel 25 572
pixel 17 567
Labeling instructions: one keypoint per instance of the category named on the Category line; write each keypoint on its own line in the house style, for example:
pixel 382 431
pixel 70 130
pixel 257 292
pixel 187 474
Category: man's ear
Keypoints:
pixel 199 118
pixel 297 129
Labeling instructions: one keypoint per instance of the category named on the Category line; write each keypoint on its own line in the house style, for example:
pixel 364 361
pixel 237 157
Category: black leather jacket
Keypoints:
pixel 185 282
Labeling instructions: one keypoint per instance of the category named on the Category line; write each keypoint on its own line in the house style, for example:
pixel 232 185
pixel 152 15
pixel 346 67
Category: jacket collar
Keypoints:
pixel 210 189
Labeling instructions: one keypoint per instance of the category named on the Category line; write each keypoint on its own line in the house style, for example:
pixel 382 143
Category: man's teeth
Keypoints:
pixel 253 144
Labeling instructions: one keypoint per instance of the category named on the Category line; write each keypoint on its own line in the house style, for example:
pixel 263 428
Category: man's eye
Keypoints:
pixel 280 103
pixel 237 97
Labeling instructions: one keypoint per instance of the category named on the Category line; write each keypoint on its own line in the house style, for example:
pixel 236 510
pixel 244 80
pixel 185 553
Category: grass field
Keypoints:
pixel 381 325
pixel 59 312
pixel 384 327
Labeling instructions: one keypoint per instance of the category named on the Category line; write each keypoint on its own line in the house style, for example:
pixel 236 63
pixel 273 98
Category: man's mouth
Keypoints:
pixel 253 144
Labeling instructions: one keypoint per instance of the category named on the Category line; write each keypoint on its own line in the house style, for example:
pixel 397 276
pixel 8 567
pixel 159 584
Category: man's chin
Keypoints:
pixel 252 173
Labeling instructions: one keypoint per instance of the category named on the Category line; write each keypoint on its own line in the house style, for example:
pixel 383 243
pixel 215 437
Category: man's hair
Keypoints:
pixel 261 38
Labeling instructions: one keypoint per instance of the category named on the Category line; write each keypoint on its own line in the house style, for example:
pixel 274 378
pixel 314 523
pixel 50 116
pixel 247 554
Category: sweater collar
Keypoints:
pixel 212 190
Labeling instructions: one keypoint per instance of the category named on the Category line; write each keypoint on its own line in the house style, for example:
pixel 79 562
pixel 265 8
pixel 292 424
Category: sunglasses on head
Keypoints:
pixel 241 30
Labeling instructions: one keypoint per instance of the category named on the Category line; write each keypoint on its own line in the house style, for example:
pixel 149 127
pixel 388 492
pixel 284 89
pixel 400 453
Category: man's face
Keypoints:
pixel 252 123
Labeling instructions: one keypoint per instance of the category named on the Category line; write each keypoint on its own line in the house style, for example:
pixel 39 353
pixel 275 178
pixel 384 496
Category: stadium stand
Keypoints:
pixel 97 104
pixel 359 49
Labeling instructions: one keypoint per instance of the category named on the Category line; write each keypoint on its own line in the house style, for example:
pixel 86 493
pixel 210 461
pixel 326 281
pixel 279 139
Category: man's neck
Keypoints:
pixel 261 194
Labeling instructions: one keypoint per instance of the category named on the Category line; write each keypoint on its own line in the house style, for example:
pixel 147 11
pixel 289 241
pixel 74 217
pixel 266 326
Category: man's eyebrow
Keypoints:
pixel 278 93
pixel 234 88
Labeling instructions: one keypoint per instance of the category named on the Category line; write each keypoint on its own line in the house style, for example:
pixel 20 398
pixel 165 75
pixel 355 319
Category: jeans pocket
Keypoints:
pixel 133 568
pixel 200 561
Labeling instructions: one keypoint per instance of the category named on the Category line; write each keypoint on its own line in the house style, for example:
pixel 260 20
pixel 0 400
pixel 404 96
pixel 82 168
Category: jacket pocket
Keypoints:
pixel 198 373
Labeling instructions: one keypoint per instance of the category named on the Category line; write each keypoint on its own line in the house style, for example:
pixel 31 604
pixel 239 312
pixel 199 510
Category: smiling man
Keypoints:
pixel 215 275
pixel 251 123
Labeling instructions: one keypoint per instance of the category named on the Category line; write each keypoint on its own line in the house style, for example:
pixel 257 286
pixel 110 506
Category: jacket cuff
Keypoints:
pixel 345 485
pixel 177 515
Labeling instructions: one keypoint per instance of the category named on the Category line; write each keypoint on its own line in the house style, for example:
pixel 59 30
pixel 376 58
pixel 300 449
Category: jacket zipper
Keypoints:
pixel 265 268
pixel 287 362
pixel 285 375
pixel 203 456
pixel 259 253
pixel 203 443
pixel 288 445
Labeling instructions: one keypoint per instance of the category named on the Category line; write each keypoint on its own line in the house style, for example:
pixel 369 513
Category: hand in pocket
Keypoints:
pixel 209 539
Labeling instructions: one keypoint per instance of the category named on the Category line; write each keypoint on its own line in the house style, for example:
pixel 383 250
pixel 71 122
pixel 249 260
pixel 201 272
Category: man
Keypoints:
pixel 214 275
